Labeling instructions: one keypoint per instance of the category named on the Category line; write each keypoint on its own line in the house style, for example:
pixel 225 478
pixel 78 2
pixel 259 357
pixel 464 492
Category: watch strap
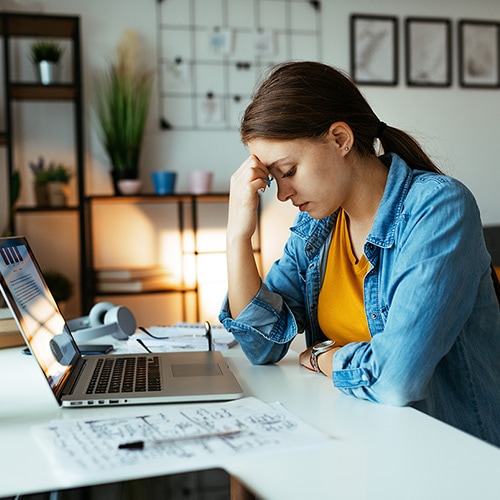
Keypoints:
pixel 320 348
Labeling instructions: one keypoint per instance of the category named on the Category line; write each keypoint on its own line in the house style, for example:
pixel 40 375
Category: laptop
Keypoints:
pixel 79 381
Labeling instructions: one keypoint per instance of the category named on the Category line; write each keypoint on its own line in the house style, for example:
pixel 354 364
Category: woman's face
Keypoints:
pixel 314 175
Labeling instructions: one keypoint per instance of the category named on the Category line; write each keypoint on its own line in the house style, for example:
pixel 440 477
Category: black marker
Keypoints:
pixel 144 445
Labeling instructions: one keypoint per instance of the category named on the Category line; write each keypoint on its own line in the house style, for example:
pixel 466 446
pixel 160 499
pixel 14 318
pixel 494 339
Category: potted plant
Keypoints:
pixel 51 182
pixel 46 55
pixel 58 177
pixel 123 95
pixel 39 171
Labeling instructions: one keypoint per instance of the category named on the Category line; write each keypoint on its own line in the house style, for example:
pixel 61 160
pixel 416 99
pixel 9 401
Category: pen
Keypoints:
pixel 142 445
pixel 144 345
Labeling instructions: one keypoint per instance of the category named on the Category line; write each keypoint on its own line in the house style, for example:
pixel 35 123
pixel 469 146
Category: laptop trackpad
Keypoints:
pixel 196 370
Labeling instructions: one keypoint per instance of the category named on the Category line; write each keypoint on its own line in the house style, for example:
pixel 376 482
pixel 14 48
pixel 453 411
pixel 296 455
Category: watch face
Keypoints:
pixel 322 345
pixel 318 349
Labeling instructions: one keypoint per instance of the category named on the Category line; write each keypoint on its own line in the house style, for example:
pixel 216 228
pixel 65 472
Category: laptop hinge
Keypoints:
pixel 70 384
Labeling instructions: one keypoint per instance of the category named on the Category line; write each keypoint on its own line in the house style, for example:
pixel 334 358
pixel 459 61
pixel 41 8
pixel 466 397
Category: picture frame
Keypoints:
pixel 428 43
pixel 478 54
pixel 374 49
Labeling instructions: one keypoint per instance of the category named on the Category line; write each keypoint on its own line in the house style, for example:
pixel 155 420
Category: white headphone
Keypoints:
pixel 104 319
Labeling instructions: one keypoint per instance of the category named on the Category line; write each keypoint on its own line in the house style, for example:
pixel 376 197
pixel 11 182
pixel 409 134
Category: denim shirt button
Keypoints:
pixel 314 305
pixel 311 266
pixel 374 315
pixel 308 248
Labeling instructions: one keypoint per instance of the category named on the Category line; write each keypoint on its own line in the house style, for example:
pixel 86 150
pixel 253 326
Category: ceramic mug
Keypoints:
pixel 200 181
pixel 164 181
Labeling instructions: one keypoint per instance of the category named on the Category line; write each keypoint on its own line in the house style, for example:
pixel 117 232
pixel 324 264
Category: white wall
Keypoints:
pixel 457 126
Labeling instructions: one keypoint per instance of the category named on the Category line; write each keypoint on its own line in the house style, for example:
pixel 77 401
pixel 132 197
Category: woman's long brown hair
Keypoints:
pixel 302 99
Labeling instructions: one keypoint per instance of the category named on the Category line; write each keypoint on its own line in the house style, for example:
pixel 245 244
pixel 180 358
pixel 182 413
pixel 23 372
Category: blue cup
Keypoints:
pixel 164 181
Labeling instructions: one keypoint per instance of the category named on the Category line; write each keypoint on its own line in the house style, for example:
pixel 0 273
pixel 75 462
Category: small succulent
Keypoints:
pixel 49 173
pixel 46 51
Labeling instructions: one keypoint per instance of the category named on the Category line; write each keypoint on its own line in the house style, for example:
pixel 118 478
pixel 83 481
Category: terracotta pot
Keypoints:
pixel 41 195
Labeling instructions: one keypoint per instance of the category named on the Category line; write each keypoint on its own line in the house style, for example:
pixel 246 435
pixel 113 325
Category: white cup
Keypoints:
pixel 200 181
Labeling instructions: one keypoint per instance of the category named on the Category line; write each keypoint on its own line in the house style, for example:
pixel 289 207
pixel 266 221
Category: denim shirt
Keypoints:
pixel 429 301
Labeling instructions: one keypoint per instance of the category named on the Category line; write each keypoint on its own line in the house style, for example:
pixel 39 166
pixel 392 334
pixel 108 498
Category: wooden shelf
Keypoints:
pixel 33 91
pixel 155 198
pixel 30 25
pixel 187 220
pixel 170 289
pixel 47 209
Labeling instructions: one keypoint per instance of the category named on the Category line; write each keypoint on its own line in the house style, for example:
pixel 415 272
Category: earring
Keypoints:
pixel 347 148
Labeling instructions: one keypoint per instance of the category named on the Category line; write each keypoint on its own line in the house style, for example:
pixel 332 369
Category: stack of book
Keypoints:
pixel 10 336
pixel 132 280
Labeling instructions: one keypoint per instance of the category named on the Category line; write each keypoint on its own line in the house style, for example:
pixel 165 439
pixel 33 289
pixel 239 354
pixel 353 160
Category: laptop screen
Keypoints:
pixel 36 311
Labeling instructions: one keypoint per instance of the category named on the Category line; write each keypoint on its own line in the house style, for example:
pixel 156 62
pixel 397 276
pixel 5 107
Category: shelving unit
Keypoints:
pixel 20 26
pixel 44 222
pixel 187 207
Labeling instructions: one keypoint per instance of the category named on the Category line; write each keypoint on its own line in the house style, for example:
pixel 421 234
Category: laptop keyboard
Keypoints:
pixel 113 375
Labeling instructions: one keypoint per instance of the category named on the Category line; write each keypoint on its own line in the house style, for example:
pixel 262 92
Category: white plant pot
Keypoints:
pixel 58 194
pixel 48 72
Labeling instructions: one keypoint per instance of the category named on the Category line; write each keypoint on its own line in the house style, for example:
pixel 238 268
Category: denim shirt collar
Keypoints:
pixel 391 207
pixel 313 231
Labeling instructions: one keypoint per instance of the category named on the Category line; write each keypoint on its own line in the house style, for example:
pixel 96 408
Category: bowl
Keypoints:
pixel 129 186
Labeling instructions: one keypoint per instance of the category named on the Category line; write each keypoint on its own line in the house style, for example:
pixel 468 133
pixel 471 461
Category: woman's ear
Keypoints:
pixel 342 135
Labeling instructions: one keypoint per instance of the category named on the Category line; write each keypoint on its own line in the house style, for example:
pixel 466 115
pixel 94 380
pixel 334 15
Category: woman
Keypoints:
pixel 386 269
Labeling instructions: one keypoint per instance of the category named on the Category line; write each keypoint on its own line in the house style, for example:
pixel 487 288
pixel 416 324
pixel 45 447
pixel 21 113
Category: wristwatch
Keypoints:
pixel 318 349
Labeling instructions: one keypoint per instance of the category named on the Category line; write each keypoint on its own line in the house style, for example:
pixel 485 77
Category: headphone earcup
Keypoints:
pixel 124 321
pixel 98 313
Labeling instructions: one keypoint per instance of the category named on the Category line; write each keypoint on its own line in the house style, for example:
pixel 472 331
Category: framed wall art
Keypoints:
pixel 374 49
pixel 478 54
pixel 428 52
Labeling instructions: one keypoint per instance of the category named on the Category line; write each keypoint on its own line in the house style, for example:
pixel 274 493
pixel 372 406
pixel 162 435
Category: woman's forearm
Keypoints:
pixel 243 276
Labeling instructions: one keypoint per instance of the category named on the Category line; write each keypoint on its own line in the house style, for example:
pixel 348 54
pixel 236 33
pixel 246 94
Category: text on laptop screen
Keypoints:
pixel 35 309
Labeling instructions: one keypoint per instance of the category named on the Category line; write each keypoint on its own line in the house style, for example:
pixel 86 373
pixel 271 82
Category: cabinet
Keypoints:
pixel 21 100
pixel 184 233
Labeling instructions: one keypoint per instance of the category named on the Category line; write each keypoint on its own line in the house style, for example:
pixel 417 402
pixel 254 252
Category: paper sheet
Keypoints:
pixel 83 446
pixel 180 337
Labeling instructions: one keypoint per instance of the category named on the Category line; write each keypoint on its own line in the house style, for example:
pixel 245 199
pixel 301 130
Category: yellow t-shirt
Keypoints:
pixel 341 312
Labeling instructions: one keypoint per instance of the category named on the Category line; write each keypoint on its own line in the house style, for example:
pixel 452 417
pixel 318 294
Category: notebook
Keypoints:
pixel 78 381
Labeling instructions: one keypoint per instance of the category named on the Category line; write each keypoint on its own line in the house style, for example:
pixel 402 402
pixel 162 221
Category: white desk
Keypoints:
pixel 381 452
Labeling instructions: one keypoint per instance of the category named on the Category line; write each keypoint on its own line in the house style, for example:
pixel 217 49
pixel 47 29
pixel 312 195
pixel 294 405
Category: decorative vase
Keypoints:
pixel 48 72
pixel 58 194
pixel 41 195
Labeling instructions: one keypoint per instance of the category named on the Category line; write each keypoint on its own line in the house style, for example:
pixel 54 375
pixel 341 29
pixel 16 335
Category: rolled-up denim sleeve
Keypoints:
pixel 264 329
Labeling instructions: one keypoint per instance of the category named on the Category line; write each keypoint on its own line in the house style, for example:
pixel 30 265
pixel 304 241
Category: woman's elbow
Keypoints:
pixel 394 393
pixel 266 356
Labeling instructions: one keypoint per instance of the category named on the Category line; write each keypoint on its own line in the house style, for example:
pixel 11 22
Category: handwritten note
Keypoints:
pixel 92 445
